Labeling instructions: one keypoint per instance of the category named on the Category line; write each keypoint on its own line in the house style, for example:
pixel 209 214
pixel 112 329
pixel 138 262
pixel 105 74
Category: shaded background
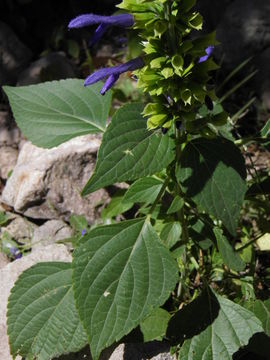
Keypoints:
pixel 35 21
pixel 31 30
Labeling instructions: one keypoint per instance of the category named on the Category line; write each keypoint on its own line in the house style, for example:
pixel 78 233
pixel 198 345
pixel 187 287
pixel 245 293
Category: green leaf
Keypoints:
pixel 54 112
pixel 121 274
pixel 212 328
pixel 129 151
pixel 176 205
pixel 43 322
pixel 212 173
pixel 265 131
pixel 262 187
pixel 231 258
pixel 4 218
pixel 78 222
pixel 116 207
pixel 7 244
pixel 143 190
pixel 155 325
pixel 171 233
pixel 201 231
pixel 262 310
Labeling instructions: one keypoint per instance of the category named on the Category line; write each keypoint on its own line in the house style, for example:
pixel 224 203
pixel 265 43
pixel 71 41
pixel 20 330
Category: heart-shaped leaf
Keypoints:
pixel 143 190
pixel 122 272
pixel 129 151
pixel 43 322
pixel 230 257
pixel 54 112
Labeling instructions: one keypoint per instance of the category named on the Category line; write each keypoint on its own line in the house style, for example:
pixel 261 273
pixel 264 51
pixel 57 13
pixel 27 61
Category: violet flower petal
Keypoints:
pixel 115 70
pixel 109 83
pixel 100 31
pixel 100 75
pixel 13 251
pixel 209 52
pixel 122 20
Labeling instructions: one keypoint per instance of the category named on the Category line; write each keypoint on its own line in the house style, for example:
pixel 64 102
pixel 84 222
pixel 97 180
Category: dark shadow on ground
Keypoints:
pixel 193 318
pixel 258 348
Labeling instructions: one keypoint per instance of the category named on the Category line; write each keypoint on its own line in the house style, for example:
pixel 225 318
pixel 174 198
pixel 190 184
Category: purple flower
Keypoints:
pixel 100 31
pixel 122 20
pixel 112 74
pixel 15 252
pixel 83 232
pixel 208 51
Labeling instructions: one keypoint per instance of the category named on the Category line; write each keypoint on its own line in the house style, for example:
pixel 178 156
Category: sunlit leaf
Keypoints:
pixel 122 272
pixel 43 322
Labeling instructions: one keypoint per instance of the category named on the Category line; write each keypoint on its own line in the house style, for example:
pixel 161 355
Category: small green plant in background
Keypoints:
pixel 183 268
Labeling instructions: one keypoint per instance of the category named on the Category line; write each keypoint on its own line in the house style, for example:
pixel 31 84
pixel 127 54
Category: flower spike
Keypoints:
pixel 112 74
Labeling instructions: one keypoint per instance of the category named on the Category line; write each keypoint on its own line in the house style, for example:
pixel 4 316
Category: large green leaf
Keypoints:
pixel 43 322
pixel 212 172
pixel 212 328
pixel 144 190
pixel 262 310
pixel 122 272
pixel 129 151
pixel 53 112
pixel 230 257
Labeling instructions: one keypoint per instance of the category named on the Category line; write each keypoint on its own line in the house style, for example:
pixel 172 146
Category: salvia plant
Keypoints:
pixel 182 269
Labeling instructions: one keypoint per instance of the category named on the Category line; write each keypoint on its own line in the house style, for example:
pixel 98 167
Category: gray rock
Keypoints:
pixel 262 79
pixel 54 66
pixel 9 140
pixel 20 229
pixel 50 233
pixel 153 351
pixel 212 12
pixel 14 55
pixel 150 351
pixel 244 30
pixel 9 133
pixel 3 260
pixel 46 184
pixel 8 159
pixel 8 276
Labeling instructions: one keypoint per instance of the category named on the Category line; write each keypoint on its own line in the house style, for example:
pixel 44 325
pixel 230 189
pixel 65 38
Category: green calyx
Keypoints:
pixel 173 75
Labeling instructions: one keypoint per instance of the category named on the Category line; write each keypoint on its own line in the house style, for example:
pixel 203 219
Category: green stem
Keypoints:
pixel 182 219
pixel 162 190
pixel 179 192
pixel 246 141
pixel 248 243
pixel 172 36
